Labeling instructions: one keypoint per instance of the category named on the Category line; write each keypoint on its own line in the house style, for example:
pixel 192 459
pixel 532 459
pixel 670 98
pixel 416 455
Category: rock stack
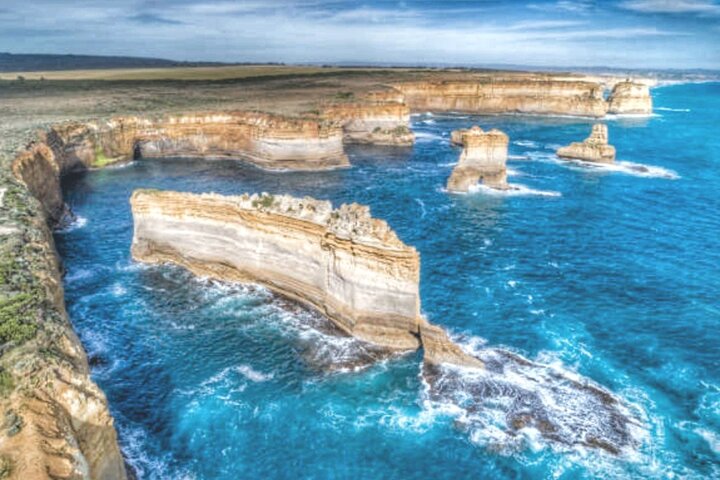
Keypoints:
pixel 594 148
pixel 482 160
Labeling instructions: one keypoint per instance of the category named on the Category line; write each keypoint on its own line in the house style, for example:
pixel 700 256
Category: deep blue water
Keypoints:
pixel 612 274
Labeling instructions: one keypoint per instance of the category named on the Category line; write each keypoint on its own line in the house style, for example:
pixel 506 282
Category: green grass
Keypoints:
pixel 101 159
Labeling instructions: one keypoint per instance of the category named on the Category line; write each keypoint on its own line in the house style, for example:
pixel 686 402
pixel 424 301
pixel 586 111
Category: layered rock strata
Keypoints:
pixel 535 95
pixel 482 160
pixel 531 96
pixel 594 148
pixel 343 263
pixel 268 141
pixel 629 98
pixel 378 123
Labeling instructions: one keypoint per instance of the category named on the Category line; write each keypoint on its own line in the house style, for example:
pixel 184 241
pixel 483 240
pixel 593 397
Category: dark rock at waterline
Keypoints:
pixel 567 412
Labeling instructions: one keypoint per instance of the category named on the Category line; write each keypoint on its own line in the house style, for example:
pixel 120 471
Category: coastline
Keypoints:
pixel 99 454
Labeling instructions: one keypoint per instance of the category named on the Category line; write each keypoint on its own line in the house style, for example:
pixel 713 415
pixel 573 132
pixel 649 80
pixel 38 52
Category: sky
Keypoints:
pixel 562 33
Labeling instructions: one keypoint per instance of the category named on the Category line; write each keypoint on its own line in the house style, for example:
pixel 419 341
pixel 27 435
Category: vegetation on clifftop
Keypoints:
pixel 21 295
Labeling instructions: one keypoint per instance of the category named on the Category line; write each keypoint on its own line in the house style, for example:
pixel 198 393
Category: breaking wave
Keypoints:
pixel 514 404
pixel 514 190
pixel 526 143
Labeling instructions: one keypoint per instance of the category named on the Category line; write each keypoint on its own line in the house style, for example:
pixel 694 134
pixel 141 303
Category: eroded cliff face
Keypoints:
pixel 268 141
pixel 630 98
pixel 55 421
pixel 482 160
pixel 530 96
pixel 594 148
pixel 343 263
pixel 379 122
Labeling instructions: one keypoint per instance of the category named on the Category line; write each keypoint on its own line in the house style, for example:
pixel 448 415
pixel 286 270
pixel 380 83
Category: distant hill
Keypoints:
pixel 10 62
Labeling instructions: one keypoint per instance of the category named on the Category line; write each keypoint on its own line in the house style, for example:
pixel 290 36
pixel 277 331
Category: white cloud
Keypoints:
pixel 672 6
pixel 305 31
pixel 572 6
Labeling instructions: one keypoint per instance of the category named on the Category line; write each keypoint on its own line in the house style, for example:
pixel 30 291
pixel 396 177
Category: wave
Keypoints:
pixel 423 211
pixel 426 136
pixel 514 190
pixel 133 444
pixel 621 116
pixel 526 143
pixel 318 342
pixel 253 375
pixel 628 168
pixel 514 404
pixel 620 166
pixel 668 109
pixel 75 222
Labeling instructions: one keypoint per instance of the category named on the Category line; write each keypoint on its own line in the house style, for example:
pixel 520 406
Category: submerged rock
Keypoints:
pixel 595 148
pixel 512 401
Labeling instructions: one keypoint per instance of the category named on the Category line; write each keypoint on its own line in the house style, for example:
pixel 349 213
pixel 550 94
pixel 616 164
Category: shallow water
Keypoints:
pixel 608 273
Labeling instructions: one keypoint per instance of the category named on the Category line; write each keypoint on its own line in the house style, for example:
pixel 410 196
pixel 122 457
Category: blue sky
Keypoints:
pixel 618 33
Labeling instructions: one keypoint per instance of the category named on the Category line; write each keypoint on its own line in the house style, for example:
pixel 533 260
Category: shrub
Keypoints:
pixel 16 315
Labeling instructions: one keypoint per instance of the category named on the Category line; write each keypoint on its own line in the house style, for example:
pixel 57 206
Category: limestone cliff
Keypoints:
pixel 482 160
pixel 507 95
pixel 56 423
pixel 379 123
pixel 630 98
pixel 342 263
pixel 595 148
pixel 268 141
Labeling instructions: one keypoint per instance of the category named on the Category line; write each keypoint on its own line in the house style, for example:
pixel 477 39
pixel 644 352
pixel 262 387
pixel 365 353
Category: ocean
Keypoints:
pixel 610 274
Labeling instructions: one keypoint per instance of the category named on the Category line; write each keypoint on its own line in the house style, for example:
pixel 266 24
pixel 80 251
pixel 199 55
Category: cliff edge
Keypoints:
pixel 56 423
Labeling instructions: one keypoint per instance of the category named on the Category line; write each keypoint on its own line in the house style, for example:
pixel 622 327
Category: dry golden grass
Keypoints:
pixel 181 73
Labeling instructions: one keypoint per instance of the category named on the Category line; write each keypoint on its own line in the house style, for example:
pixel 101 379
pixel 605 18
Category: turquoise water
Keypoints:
pixel 612 274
